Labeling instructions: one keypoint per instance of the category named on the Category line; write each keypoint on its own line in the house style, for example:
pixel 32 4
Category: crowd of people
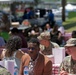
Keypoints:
pixel 39 42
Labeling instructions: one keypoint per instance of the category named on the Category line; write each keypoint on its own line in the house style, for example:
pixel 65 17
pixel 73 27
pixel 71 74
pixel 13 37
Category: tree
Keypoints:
pixel 37 2
pixel 63 9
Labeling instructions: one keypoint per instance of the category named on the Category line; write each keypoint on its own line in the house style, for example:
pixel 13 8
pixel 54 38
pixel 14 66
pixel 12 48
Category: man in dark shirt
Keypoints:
pixel 16 32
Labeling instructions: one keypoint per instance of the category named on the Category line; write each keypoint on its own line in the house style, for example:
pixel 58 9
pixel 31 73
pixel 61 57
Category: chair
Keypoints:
pixel 59 54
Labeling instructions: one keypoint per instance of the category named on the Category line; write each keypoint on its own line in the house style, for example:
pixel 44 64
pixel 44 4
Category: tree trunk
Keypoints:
pixel 63 10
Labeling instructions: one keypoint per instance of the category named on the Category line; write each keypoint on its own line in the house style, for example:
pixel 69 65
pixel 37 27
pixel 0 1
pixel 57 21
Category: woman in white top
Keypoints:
pixel 12 50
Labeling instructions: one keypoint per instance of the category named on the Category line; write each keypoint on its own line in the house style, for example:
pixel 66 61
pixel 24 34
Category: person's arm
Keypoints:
pixel 3 54
pixel 24 62
pixel 48 68
pixel 62 70
pixel 63 73
pixel 21 65
pixel 59 35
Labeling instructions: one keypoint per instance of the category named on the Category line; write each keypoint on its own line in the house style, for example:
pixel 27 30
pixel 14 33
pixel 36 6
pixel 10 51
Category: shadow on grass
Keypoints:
pixel 70 25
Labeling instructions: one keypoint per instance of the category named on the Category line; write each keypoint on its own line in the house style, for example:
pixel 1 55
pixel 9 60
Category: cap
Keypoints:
pixel 71 42
pixel 43 35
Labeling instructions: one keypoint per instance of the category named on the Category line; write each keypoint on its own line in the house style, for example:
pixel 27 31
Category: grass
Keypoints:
pixel 70 23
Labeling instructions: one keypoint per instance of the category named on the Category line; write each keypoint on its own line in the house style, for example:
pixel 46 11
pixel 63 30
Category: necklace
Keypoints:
pixel 32 64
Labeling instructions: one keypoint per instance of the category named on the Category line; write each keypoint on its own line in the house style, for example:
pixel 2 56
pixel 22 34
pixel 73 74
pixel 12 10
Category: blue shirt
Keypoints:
pixel 2 42
pixel 51 17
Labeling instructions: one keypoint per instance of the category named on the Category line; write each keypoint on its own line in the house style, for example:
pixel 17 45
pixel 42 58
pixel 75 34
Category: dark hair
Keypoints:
pixel 34 40
pixel 50 10
pixel 14 30
pixel 73 34
pixel 13 44
pixel 55 28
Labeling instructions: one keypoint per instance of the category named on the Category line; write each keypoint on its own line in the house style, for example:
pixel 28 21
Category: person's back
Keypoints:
pixel 16 57
pixel 25 16
pixel 24 41
pixel 51 16
pixel 15 32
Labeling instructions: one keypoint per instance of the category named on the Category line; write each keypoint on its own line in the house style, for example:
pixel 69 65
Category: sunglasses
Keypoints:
pixel 32 48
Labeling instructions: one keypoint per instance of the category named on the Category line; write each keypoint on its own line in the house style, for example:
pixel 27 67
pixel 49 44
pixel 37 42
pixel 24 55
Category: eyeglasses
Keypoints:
pixel 32 48
pixel 69 47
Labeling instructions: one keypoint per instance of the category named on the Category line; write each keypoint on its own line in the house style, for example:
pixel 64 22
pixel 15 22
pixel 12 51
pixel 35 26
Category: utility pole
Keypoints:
pixel 63 10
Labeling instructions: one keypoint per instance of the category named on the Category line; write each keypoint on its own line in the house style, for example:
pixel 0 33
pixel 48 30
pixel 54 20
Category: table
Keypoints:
pixel 55 69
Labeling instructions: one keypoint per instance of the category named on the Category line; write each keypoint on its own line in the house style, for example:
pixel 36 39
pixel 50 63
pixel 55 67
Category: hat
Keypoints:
pixel 15 24
pixel 43 34
pixel 71 42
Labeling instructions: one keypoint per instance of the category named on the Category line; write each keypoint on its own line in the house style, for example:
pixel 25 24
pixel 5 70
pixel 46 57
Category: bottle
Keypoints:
pixel 26 70
pixel 15 70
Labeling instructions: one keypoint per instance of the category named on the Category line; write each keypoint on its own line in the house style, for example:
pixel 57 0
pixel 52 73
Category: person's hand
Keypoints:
pixel 63 73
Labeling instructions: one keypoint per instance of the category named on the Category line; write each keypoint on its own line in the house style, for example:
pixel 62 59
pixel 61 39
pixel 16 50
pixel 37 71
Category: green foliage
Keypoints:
pixel 70 23
pixel 37 1
pixel 72 15
pixel 71 0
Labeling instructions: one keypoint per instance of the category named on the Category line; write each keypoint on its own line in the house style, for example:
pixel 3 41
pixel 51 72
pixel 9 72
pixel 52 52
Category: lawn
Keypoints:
pixel 70 23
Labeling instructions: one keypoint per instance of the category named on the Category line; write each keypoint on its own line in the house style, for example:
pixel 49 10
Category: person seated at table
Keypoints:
pixel 13 51
pixel 56 35
pixel 26 23
pixel 35 31
pixel 38 63
pixel 45 44
pixel 47 27
pixel 16 32
pixel 68 65
pixel 4 71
